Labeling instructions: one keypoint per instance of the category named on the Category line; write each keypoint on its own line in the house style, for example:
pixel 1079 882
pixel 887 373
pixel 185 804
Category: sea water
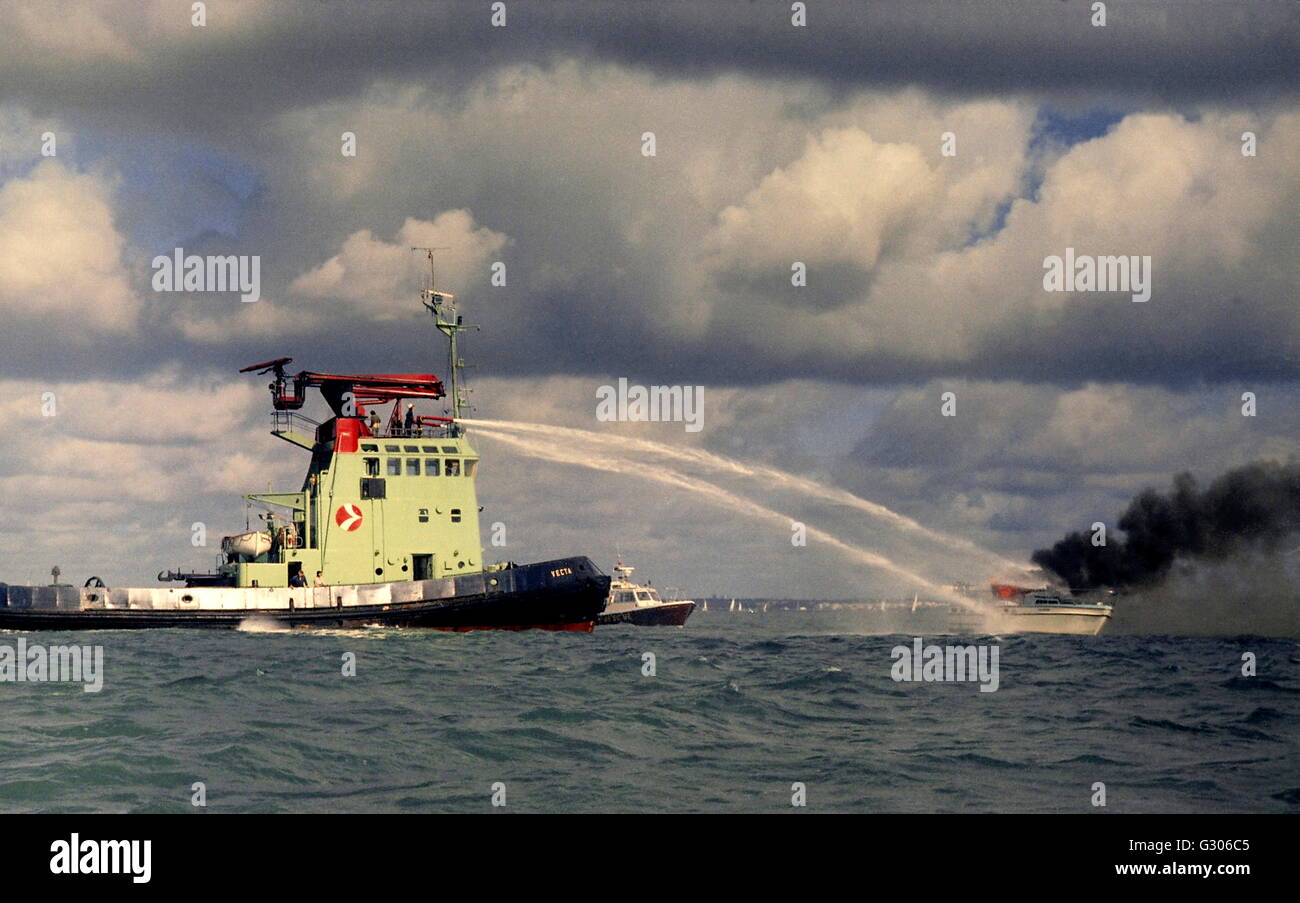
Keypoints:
pixel 740 708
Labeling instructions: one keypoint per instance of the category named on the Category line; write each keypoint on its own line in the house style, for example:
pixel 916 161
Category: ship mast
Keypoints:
pixel 442 305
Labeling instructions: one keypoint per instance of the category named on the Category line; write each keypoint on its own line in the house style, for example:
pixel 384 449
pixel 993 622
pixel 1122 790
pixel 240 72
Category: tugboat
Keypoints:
pixel 632 603
pixel 383 531
pixel 1022 610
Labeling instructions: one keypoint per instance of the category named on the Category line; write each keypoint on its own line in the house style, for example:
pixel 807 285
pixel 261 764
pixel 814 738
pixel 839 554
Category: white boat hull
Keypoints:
pixel 1079 620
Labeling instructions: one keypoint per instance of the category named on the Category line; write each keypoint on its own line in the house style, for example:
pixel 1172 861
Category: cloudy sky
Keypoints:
pixel 774 144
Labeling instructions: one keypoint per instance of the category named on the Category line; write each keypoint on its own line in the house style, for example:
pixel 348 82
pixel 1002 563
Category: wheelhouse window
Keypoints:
pixel 394 467
pixel 470 467
pixel 411 449
pixel 431 467
pixel 370 448
pixel 643 597
pixel 372 467
pixel 412 467
pixel 391 448
pixel 453 467
pixel 450 449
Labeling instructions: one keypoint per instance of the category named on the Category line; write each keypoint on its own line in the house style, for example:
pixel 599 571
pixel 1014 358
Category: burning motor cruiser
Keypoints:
pixel 387 514
pixel 1022 610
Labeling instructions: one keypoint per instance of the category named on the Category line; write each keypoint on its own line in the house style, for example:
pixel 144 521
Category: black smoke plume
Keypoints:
pixel 1256 506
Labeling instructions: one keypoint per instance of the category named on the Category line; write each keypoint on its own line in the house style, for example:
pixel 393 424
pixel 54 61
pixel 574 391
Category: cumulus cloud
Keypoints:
pixel 62 254
pixel 873 182
pixel 839 202
pixel 1159 185
pixel 929 264
pixel 378 276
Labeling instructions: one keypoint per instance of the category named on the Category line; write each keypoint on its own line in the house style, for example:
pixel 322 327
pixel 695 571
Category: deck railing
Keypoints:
pixel 293 422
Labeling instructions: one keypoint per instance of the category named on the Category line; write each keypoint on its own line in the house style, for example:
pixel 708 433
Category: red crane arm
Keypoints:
pixel 379 385
pixel 289 393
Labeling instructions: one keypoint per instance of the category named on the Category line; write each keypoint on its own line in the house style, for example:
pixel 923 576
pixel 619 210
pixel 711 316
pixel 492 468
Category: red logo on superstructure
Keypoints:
pixel 348 517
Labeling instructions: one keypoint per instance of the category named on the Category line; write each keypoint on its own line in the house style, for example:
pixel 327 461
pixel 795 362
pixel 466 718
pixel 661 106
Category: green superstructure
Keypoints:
pixel 396 508
pixel 384 499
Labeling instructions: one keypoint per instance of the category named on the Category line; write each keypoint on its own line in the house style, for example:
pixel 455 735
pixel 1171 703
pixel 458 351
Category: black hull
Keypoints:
pixel 670 614
pixel 523 597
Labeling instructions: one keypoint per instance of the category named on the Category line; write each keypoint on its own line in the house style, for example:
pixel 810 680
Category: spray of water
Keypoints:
pixel 258 624
pixel 674 478
pixel 720 463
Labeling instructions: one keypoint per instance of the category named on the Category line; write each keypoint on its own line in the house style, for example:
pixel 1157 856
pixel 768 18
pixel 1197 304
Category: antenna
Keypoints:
pixel 442 305
pixel 428 252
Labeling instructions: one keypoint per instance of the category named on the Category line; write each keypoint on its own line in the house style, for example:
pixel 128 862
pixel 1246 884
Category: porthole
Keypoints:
pixel 379 572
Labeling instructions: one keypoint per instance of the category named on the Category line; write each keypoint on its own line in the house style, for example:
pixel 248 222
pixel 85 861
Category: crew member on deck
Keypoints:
pixel 298 579
pixel 320 581
pixel 374 423
pixel 410 419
